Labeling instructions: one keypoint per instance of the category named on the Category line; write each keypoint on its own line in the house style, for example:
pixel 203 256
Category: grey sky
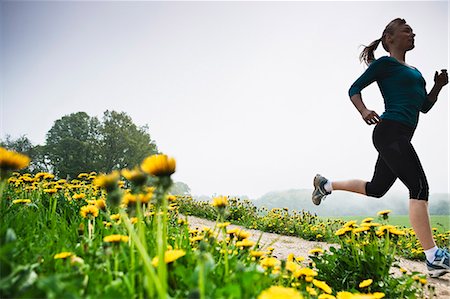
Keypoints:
pixel 248 97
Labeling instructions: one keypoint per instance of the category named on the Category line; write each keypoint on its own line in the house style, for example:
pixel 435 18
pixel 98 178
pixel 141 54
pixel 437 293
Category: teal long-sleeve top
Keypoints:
pixel 402 88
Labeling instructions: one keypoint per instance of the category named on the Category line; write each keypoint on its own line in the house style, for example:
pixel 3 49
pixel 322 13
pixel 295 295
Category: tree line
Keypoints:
pixel 79 143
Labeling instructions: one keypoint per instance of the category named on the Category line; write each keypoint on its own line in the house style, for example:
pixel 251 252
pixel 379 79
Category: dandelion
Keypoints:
pixel 51 191
pixel 21 201
pixel 311 291
pixel 79 196
pixel 351 223
pixel 135 176
pixel 115 239
pixel 344 295
pixel 367 220
pixel 360 229
pixel 89 211
pixel 11 160
pixel 326 296
pixel 322 285
pixel 241 235
pixel 316 251
pixel 307 272
pixel 343 231
pixel 384 212
pixel 245 243
pixel 269 262
pixel 397 232
pixel 224 224
pixel 62 255
pixel 107 181
pixel 220 202
pixel 365 283
pixel 278 292
pixel 169 256
pixel 257 254
pixel 159 165
pixel 83 175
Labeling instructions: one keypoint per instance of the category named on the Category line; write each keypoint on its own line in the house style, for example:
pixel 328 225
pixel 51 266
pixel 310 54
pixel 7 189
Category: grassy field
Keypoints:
pixel 441 222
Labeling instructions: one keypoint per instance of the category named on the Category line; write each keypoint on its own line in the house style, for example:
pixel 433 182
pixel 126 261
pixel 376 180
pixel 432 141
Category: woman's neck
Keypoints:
pixel 399 55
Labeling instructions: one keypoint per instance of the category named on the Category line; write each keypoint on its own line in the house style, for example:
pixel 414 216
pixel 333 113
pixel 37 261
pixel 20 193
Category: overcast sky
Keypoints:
pixel 248 97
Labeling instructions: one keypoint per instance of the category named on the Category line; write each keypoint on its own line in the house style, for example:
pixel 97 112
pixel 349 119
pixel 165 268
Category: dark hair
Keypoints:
pixel 367 55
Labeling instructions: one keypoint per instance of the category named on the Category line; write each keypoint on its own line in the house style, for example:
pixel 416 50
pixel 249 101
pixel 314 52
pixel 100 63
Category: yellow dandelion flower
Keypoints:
pixel 254 253
pixel 51 191
pixel 307 272
pixel 316 251
pixel 21 201
pixel 224 224
pixel 278 292
pixel 311 291
pixel 136 176
pixel 365 283
pixel 378 295
pixel 343 231
pixel 107 181
pixel 220 201
pixel 11 160
pixel 423 281
pixel 370 224
pixel 241 235
pixel 269 262
pixel 89 211
pixel 360 229
pixel 384 212
pixel 245 243
pixel 322 285
pixel 232 231
pixel 159 165
pixel 100 203
pixel 344 295
pixel 83 175
pixel 351 223
pixel 326 296
pixel 79 196
pixel 367 220
pixel 169 256
pixel 397 232
pixel 115 239
pixel 62 255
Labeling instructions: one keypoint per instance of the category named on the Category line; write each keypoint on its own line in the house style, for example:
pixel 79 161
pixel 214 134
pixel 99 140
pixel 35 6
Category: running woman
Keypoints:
pixel 403 89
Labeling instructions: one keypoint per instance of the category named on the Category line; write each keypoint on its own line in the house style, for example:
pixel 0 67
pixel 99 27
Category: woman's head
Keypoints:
pixel 396 33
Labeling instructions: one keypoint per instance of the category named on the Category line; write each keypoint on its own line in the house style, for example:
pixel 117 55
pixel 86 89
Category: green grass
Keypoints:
pixel 441 222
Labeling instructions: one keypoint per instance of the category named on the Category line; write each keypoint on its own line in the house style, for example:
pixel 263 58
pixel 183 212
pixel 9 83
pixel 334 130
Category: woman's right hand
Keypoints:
pixel 370 117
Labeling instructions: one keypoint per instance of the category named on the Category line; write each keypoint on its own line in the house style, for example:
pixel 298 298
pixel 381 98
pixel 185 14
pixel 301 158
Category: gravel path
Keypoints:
pixel 284 245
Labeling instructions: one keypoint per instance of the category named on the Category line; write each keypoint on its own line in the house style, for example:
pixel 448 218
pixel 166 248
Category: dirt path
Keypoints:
pixel 284 245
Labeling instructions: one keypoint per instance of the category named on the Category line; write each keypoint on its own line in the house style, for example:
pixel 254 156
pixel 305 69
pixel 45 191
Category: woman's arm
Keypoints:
pixel 440 80
pixel 369 116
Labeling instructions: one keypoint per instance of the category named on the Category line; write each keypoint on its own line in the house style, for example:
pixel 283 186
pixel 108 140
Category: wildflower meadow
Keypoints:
pixel 122 235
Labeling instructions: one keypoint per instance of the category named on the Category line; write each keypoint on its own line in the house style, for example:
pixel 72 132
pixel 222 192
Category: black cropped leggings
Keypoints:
pixel 396 159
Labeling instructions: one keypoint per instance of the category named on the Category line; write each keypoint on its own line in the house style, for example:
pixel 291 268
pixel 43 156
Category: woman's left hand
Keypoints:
pixel 441 79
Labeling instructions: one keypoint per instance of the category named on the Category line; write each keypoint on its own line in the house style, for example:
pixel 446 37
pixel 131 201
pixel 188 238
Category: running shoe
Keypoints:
pixel 319 192
pixel 440 265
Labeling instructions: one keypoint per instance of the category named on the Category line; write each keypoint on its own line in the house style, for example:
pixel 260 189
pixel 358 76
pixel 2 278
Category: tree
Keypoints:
pixel 123 144
pixel 79 143
pixel 71 144
pixel 24 146
pixel 180 188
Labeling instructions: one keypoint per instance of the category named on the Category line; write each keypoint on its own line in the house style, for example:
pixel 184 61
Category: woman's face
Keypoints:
pixel 402 38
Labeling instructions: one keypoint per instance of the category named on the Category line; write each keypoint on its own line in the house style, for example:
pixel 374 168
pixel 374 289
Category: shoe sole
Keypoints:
pixel 316 183
pixel 438 273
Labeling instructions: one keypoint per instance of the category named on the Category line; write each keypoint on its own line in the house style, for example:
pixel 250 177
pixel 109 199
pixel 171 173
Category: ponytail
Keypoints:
pixel 367 55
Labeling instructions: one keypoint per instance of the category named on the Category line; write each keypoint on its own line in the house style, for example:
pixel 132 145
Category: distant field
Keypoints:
pixel 441 222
